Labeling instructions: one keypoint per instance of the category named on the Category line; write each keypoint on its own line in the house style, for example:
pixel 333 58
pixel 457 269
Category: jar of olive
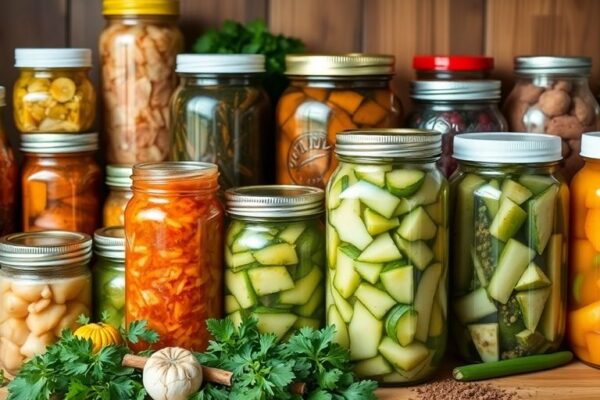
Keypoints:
pixel 109 275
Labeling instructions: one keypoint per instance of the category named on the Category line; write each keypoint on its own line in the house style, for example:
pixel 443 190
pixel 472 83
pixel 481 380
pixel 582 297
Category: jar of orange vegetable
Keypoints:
pixel 584 295
pixel 174 251
pixel 8 178
pixel 329 94
pixel 118 180
pixel 61 182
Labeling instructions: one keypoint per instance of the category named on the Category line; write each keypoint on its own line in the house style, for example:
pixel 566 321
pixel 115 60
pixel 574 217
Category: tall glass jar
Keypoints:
pixel 329 94
pixel 583 323
pixel 509 243
pixel 552 96
pixel 137 50
pixel 8 178
pixel 54 92
pixel 455 107
pixel 109 276
pixel 61 182
pixel 174 251
pixel 45 285
pixel 433 67
pixel 118 180
pixel 275 257
pixel 387 253
pixel 220 114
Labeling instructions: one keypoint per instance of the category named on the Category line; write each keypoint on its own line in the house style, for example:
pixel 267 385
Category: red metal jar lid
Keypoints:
pixel 452 63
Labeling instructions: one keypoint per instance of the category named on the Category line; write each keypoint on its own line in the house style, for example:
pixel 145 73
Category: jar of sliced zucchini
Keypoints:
pixel 387 253
pixel 275 257
pixel 509 238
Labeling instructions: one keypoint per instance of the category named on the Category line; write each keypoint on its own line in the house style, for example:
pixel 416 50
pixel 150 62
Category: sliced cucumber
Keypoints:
pixel 552 323
pixel 277 254
pixel 312 306
pixel 349 250
pixel 250 239
pixel 368 271
pixel 508 220
pixel 474 306
pixel 231 304
pixel 238 261
pixel 436 325
pixel 234 229
pixel 341 330
pixel 417 252
pixel 377 301
pixel 515 192
pixel 437 213
pixel 377 224
pixel 532 278
pixel 541 218
pixel 428 285
pixel 239 285
pixel 292 232
pixel 417 226
pixel 333 197
pixel 399 283
pixel 404 358
pixel 530 340
pixel 350 228
pixel 401 324
pixel 427 193
pixel 362 345
pixel 345 308
pixel 485 339
pixel 513 261
pixel 381 250
pixel 491 197
pixel 346 278
pixel 374 174
pixel 532 304
pixel 403 208
pixel 536 183
pixel 303 289
pixel 267 280
pixel 372 367
pixel 333 241
pixel 440 245
pixel 377 199
pixel 274 321
pixel 404 182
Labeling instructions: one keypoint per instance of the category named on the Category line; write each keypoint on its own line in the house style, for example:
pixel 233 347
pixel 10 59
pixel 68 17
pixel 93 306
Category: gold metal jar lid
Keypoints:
pixel 110 242
pixel 140 7
pixel 352 64
pixel 389 143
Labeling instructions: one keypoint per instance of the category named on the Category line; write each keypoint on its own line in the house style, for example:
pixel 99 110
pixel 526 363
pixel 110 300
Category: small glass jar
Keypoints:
pixel 61 182
pixel 118 180
pixel 329 94
pixel 109 276
pixel 174 251
pixel 455 107
pixel 583 320
pixel 438 67
pixel 509 246
pixel 387 253
pixel 8 178
pixel 54 92
pixel 552 96
pixel 220 114
pixel 137 50
pixel 45 285
pixel 275 257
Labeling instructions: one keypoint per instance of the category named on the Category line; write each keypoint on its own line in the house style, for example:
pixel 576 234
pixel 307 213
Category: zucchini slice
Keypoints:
pixel 513 261
pixel 404 358
pixel 377 199
pixel 382 249
pixel 399 283
pixel 377 301
pixel 404 182
pixel 350 228
pixel 341 329
pixel 428 286
pixel 417 226
pixel 485 339
pixel 267 280
pixel 364 346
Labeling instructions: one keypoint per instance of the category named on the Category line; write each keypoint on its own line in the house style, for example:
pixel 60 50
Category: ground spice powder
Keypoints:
pixel 452 390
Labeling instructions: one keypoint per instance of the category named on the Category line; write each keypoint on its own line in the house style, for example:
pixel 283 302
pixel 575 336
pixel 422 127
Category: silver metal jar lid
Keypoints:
pixel 32 251
pixel 59 143
pixel 275 201
pixel 220 63
pixel 438 90
pixel 507 148
pixel 119 175
pixel 531 65
pixel 389 143
pixel 109 242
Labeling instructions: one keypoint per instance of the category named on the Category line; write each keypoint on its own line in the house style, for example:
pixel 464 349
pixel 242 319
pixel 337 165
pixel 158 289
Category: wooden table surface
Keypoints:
pixel 574 381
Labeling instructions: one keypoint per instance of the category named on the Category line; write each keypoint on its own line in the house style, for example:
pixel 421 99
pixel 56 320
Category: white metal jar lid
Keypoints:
pixel 119 175
pixel 507 148
pixel 389 143
pixel 275 201
pixel 590 145
pixel 58 143
pixel 53 58
pixel 438 90
pixel 2 96
pixel 220 63
pixel 110 242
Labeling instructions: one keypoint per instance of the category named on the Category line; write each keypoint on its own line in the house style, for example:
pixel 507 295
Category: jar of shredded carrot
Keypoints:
pixel 118 180
pixel 174 251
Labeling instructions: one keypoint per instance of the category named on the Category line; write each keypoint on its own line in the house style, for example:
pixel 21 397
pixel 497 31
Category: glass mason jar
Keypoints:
pixel 583 320
pixel 387 253
pixel 220 114
pixel 109 276
pixel 137 50
pixel 552 96
pixel 509 247
pixel 455 107
pixel 118 180
pixel 174 251
pixel 439 67
pixel 329 94
pixel 45 285
pixel 275 257
pixel 61 182
pixel 53 92
pixel 8 178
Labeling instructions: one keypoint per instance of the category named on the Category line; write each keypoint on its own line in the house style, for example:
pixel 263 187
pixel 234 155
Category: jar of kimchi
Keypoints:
pixel 137 50
pixel 8 178
pixel 174 251
pixel 118 180
pixel 329 94
pixel 61 182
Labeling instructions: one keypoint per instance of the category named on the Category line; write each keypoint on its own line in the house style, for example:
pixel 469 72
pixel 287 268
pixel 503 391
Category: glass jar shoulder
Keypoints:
pixel 455 118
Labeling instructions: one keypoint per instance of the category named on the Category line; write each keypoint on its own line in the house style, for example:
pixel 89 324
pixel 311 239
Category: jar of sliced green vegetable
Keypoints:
pixel 109 275
pixel 509 240
pixel 387 253
pixel 220 113
pixel 275 257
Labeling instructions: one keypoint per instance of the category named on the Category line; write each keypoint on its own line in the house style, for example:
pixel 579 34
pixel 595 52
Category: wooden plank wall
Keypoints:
pixel 501 28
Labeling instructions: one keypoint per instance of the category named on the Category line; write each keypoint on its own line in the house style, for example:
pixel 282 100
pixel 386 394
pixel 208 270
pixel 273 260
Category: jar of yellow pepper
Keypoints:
pixel 54 92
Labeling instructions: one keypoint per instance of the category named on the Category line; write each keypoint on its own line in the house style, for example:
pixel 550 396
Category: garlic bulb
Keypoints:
pixel 172 373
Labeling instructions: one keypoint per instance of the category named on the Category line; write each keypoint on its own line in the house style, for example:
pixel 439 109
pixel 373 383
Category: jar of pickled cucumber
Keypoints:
pixel 275 257
pixel 109 276
pixel 387 251
pixel 434 67
pixel 455 107
pixel 8 178
pixel 45 285
pixel 54 92
pixel 220 113
pixel 509 245
pixel 118 180
pixel 329 94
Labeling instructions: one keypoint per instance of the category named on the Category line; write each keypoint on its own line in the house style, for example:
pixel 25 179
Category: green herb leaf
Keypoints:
pixel 138 330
